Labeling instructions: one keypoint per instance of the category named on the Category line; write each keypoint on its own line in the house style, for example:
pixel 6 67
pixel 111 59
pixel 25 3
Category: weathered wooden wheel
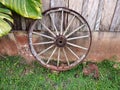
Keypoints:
pixel 61 40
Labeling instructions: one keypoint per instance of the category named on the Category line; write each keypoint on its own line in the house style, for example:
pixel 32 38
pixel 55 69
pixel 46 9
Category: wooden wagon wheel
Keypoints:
pixel 61 40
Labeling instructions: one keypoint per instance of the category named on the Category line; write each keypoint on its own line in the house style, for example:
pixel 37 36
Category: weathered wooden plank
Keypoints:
pixel 45 4
pixel 76 5
pixel 89 12
pixel 115 26
pixel 107 14
pixel 23 23
pixel 92 13
pixel 59 3
pixel 57 17
pixel 85 8
pixel 99 15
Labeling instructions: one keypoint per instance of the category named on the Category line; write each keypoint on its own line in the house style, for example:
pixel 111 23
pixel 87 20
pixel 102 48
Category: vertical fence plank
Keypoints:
pixel 58 3
pixel 89 12
pixel 92 13
pixel 57 16
pixel 45 4
pixel 85 8
pixel 99 15
pixel 23 23
pixel 77 6
pixel 115 26
pixel 107 14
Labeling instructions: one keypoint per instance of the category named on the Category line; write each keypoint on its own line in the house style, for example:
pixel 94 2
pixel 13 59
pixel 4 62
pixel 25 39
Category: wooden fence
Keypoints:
pixel 102 15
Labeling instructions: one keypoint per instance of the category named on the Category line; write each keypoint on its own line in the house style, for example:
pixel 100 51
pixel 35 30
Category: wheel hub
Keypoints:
pixel 60 41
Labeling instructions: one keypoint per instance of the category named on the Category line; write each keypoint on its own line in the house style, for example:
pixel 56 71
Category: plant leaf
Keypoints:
pixel 6 11
pixel 26 8
pixel 5 18
pixel 4 27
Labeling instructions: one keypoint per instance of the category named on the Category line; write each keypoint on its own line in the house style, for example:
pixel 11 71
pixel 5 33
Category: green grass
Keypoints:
pixel 15 75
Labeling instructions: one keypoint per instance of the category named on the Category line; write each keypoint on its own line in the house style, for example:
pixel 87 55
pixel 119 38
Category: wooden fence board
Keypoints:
pixel 102 15
pixel 92 13
pixel 77 6
pixel 107 14
pixel 45 4
pixel 115 26
pixel 58 3
pixel 85 8
pixel 57 16
pixel 99 15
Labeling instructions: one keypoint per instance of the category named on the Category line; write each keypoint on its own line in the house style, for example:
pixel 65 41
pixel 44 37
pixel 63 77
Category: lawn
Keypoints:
pixel 16 75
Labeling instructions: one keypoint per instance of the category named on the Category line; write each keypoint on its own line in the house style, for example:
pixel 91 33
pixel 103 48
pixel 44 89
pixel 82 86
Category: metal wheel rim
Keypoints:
pixel 62 47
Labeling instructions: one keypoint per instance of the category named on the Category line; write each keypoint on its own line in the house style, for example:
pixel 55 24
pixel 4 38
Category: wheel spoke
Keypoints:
pixel 62 22
pixel 48 30
pixel 58 61
pixel 51 55
pixel 82 57
pixel 80 37
pixel 74 45
pixel 68 25
pixel 75 30
pixel 52 16
pixel 46 50
pixel 66 57
pixel 43 35
pixel 73 52
pixel 59 43
pixel 42 43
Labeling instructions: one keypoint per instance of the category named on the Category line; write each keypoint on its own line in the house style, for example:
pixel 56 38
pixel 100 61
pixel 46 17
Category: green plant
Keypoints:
pixel 25 8
pixel 16 75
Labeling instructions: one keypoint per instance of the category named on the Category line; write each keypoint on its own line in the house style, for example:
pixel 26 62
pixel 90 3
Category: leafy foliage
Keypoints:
pixel 5 17
pixel 16 75
pixel 26 8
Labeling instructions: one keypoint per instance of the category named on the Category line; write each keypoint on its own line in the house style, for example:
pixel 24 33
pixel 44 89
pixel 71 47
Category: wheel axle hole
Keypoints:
pixel 60 42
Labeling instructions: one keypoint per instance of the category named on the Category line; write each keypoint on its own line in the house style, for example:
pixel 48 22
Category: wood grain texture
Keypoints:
pixel 99 15
pixel 77 6
pixel 85 8
pixel 102 15
pixel 23 23
pixel 107 14
pixel 45 4
pixel 58 3
pixel 115 26
pixel 92 13
pixel 57 16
